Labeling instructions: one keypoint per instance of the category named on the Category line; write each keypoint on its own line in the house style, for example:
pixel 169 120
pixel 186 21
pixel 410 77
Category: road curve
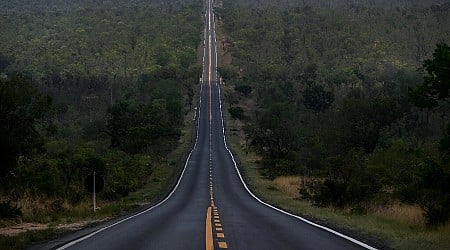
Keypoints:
pixel 210 207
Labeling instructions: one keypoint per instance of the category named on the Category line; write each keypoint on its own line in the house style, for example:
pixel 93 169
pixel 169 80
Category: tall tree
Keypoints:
pixel 21 109
pixel 436 85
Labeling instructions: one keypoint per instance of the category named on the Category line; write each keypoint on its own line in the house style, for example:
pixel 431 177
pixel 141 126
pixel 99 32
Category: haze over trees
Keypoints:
pixel 91 86
pixel 351 94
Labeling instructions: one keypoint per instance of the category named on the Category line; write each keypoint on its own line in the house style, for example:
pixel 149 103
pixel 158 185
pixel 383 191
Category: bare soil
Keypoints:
pixel 24 227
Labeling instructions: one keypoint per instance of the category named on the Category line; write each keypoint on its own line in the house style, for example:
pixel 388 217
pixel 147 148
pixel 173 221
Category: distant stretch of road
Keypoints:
pixel 210 207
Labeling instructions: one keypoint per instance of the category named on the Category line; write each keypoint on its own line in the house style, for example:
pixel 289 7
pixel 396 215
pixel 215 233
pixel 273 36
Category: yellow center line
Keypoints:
pixel 209 234
pixel 209 82
pixel 212 209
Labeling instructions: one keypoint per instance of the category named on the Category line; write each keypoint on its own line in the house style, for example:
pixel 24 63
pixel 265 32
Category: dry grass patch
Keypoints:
pixel 411 215
pixel 32 205
pixel 288 185
pixel 403 213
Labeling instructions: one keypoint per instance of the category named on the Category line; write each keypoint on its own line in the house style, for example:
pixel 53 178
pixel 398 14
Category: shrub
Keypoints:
pixel 349 182
pixel 435 205
pixel 7 210
pixel 244 89
pixel 433 193
pixel 280 167
pixel 236 113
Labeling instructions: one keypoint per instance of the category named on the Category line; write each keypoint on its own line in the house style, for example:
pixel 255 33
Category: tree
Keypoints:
pixel 360 121
pixel 246 90
pixel 317 99
pixel 276 130
pixel 22 108
pixel 444 145
pixel 236 112
pixel 432 187
pixel 135 128
pixel 436 85
pixel 433 192
pixel 4 62
pixel 349 182
pixel 309 75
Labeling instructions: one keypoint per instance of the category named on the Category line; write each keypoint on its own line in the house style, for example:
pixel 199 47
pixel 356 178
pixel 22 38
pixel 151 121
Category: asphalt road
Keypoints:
pixel 210 208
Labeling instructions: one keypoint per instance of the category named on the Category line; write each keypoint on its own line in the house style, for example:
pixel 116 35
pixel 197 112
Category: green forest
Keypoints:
pixel 350 97
pixel 90 86
pixel 353 97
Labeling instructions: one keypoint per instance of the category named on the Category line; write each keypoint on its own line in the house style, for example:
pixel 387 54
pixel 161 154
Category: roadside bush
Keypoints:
pixel 281 167
pixel 76 195
pixel 125 174
pixel 227 73
pixel 9 211
pixel 236 113
pixel 434 192
pixel 349 183
pixel 245 90
pixel 435 205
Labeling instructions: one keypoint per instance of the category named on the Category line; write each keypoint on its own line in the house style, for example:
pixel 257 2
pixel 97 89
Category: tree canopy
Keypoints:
pixel 22 109
pixel 436 85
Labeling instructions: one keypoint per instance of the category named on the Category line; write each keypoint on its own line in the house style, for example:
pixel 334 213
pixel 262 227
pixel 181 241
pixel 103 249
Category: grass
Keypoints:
pixel 394 226
pixel 21 241
pixel 403 213
pixel 40 210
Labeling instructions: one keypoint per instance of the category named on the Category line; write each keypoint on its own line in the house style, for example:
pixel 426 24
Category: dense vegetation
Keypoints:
pixel 90 86
pixel 336 4
pixel 354 96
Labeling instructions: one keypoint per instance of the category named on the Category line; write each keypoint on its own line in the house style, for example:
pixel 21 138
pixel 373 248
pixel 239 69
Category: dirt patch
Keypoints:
pixel 24 227
pixel 81 224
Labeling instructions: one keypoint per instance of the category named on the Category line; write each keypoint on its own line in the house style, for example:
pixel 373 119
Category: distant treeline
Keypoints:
pixel 338 3
pixel 8 6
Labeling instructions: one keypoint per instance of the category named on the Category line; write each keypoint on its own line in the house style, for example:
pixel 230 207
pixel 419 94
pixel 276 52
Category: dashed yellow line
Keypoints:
pixel 212 213
pixel 223 244
pixel 213 224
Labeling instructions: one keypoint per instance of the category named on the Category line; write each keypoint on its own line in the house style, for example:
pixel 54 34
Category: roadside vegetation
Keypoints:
pixel 97 87
pixel 349 104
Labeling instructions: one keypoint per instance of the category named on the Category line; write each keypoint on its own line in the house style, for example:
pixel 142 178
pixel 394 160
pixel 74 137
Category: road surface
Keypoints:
pixel 210 208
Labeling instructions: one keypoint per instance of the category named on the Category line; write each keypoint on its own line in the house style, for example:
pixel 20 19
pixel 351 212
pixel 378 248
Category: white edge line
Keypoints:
pixel 357 242
pixel 74 242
